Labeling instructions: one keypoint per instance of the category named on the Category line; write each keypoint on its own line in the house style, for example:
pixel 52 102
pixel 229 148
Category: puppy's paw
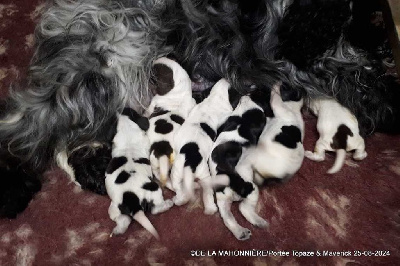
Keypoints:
pixel 210 210
pixel 179 200
pixel 313 156
pixel 243 234
pixel 261 223
pixel 360 155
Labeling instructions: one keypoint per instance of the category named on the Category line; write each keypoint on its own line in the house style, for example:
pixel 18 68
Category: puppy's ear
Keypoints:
pixel 234 97
pixel 253 123
pixel 227 155
pixel 141 121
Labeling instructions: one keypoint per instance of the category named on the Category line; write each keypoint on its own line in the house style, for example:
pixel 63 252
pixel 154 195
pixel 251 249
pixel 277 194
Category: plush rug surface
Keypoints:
pixel 350 218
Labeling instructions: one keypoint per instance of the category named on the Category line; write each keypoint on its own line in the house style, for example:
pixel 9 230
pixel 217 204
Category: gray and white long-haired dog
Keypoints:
pixel 94 57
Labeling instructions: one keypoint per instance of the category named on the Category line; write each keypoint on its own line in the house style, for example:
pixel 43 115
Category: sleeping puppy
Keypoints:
pixel 338 131
pixel 230 172
pixel 129 180
pixel 194 141
pixel 167 111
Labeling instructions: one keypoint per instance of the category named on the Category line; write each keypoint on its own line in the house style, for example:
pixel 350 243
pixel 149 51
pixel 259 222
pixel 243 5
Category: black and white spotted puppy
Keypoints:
pixel 129 180
pixel 338 131
pixel 167 111
pixel 195 139
pixel 239 132
pixel 279 153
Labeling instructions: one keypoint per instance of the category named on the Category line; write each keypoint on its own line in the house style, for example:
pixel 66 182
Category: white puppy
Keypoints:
pixel 129 180
pixel 194 141
pixel 338 131
pixel 167 111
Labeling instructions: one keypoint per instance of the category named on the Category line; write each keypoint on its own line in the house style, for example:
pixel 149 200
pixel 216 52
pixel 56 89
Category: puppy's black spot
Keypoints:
pixel 226 156
pixel 289 137
pixel 161 148
pixel 142 161
pixel 234 97
pixel 209 131
pixel 151 186
pixel 158 111
pixel 199 96
pixel 192 155
pixel 130 204
pixel 262 99
pixel 116 163
pixel 163 79
pixel 122 177
pixel 230 124
pixel 147 205
pixel 162 126
pixel 241 187
pixel 141 121
pixel 177 119
pixel 339 140
pixel 253 123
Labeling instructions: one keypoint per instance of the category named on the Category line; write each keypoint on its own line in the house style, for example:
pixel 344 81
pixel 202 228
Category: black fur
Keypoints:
pixel 192 155
pixel 230 124
pixel 17 190
pixel 142 161
pixel 130 204
pixel 115 164
pixel 158 111
pixel 163 79
pixel 339 140
pixel 90 165
pixel 177 119
pixel 289 137
pixel 122 177
pixel 162 126
pixel 151 186
pixel 141 121
pixel 252 124
pixel 161 148
pixel 209 131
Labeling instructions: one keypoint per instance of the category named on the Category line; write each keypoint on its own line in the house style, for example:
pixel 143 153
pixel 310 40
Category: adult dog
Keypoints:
pixel 94 57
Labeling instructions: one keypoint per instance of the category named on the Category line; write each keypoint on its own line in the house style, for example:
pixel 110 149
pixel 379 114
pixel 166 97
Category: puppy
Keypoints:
pixel 194 141
pixel 279 153
pixel 167 111
pixel 129 179
pixel 338 131
pixel 229 172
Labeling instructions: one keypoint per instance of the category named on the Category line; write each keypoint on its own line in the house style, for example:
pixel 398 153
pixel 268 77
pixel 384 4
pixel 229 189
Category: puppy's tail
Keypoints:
pixel 164 164
pixel 141 218
pixel 188 183
pixel 177 171
pixel 339 161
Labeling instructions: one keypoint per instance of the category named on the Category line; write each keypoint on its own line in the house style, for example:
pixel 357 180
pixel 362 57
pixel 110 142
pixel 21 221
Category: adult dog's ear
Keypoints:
pixel 141 121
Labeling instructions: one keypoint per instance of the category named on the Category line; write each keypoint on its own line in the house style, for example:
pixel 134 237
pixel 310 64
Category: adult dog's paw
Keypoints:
pixel 16 191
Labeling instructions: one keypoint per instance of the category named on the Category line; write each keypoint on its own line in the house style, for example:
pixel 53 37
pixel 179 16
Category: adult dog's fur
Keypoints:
pixel 94 57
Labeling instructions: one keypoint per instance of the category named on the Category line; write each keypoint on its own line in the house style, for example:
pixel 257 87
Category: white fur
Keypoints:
pixel 213 110
pixel 177 101
pixel 131 142
pixel 330 116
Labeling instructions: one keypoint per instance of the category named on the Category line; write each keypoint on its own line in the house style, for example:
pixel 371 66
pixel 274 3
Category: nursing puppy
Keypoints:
pixel 167 111
pixel 280 151
pixel 338 131
pixel 229 172
pixel 129 178
pixel 194 141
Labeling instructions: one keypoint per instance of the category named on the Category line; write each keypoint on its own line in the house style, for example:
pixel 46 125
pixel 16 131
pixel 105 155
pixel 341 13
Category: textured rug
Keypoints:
pixel 350 218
